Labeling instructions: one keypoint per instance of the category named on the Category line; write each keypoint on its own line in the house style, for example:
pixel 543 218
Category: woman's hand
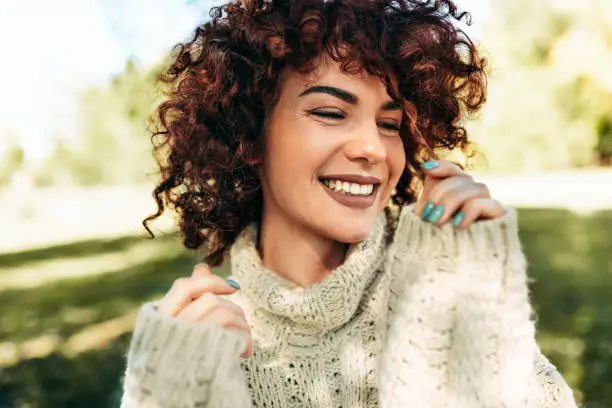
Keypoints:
pixel 450 194
pixel 195 299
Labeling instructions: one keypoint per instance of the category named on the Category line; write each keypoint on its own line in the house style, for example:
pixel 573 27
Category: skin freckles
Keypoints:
pixel 327 123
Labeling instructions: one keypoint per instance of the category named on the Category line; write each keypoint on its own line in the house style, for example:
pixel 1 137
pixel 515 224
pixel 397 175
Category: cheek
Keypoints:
pixel 396 160
pixel 396 163
pixel 281 167
pixel 294 156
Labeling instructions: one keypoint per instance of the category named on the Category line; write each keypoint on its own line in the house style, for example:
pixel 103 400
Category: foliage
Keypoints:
pixel 113 145
pixel 550 99
pixel 10 163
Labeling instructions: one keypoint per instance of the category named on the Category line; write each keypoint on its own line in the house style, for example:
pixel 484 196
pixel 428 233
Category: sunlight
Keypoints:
pixel 95 336
pixel 56 269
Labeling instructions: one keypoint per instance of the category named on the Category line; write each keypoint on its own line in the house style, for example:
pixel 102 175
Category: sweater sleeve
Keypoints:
pixel 460 331
pixel 174 364
pixel 551 391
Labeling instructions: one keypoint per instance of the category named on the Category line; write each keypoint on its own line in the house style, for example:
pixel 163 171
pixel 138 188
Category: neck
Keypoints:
pixel 296 252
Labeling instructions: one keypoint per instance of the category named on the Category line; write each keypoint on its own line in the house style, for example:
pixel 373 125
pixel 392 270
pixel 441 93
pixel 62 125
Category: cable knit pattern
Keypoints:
pixel 437 318
pixel 460 330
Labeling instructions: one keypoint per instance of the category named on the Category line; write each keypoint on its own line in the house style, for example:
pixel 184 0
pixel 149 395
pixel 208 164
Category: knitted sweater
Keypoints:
pixel 426 317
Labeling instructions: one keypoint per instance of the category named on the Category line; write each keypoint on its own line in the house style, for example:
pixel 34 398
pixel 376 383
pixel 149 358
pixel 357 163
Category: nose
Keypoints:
pixel 366 144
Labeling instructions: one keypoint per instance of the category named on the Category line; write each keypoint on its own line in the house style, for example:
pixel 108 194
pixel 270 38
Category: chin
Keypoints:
pixel 350 232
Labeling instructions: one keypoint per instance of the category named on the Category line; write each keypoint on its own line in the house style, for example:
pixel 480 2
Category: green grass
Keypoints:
pixel 570 259
pixel 81 249
pixel 60 350
pixel 66 307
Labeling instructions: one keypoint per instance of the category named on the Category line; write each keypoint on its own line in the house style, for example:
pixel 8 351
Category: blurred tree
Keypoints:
pixel 11 163
pixel 113 144
pixel 550 107
pixel 61 166
pixel 550 99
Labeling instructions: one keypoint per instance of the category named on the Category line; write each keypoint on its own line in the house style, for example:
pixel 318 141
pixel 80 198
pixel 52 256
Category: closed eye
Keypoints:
pixel 325 114
pixel 390 126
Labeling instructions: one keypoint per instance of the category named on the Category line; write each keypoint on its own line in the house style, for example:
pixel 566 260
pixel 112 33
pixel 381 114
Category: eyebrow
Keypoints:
pixel 345 96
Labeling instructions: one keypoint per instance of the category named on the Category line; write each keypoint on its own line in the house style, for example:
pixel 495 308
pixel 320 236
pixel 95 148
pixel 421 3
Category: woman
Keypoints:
pixel 295 137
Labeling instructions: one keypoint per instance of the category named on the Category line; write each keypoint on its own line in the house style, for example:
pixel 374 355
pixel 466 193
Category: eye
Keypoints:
pixel 328 114
pixel 390 126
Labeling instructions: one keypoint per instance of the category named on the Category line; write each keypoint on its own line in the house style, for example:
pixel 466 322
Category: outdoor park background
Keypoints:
pixel 76 178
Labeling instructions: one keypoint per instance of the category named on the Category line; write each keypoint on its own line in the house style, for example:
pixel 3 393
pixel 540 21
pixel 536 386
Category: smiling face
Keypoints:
pixel 333 153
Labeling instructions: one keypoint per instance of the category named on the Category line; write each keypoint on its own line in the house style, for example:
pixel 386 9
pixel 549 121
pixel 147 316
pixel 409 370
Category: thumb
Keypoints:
pixel 200 270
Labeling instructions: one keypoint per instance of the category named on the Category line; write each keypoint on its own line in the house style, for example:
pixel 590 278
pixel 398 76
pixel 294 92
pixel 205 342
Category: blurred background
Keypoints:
pixel 76 177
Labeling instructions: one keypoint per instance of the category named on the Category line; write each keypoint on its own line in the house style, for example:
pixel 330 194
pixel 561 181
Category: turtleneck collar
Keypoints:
pixel 324 305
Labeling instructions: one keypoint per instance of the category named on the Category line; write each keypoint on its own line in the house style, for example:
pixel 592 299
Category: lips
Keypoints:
pixel 352 178
pixel 347 199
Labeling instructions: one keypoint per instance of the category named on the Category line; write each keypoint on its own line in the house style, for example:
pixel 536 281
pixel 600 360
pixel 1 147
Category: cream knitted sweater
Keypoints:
pixel 429 317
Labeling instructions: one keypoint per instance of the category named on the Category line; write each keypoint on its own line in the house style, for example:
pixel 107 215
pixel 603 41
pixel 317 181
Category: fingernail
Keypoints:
pixel 427 210
pixel 430 165
pixel 458 218
pixel 435 215
pixel 233 283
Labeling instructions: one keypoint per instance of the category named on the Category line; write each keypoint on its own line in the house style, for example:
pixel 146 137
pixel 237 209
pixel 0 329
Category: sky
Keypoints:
pixel 52 50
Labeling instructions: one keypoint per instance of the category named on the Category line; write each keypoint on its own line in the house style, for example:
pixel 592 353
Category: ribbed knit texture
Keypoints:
pixel 438 317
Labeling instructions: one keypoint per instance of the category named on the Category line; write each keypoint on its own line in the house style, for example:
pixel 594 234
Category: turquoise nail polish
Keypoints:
pixel 233 283
pixel 430 165
pixel 427 210
pixel 436 214
pixel 458 218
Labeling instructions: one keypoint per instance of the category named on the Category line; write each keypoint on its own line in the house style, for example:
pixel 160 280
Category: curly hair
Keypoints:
pixel 224 81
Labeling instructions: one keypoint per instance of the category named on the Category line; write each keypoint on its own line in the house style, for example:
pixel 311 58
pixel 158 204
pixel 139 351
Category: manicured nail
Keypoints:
pixel 233 283
pixel 427 210
pixel 430 165
pixel 436 214
pixel 458 218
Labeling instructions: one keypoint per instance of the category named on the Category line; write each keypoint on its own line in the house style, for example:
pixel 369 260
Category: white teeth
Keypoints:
pixel 349 188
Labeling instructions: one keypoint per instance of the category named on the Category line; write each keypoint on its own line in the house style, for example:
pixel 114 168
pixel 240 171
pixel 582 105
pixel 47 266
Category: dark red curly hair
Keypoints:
pixel 225 79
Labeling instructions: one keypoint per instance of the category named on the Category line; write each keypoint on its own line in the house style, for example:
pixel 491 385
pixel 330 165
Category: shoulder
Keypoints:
pixel 412 234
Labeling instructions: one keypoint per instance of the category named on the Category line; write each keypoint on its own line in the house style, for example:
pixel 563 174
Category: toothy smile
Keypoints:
pixel 352 190
pixel 348 188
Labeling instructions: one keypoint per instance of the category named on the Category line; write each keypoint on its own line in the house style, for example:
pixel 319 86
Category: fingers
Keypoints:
pixel 480 208
pixel 450 195
pixel 206 304
pixel 442 169
pixel 221 312
pixel 452 186
pixel 215 310
pixel 435 173
pixel 421 203
pixel 197 299
pixel 200 270
pixel 185 290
